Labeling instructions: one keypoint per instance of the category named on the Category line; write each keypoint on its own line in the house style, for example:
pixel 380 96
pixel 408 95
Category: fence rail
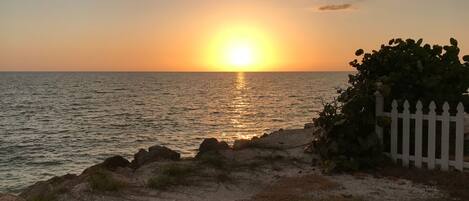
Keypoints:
pixel 431 160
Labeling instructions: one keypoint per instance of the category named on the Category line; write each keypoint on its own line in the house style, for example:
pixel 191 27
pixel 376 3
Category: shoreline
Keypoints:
pixel 264 168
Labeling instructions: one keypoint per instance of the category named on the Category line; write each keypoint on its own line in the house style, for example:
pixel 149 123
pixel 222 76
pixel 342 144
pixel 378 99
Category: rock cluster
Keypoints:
pixel 285 144
pixel 154 153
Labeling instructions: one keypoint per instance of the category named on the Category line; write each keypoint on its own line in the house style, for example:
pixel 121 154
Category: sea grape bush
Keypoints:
pixel 402 69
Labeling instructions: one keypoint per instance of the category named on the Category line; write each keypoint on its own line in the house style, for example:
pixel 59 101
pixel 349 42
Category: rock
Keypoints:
pixel 8 197
pixel 115 162
pixel 154 153
pixel 46 190
pixel 309 125
pixel 241 144
pixel 163 152
pixel 212 144
pixel 284 139
pixel 309 149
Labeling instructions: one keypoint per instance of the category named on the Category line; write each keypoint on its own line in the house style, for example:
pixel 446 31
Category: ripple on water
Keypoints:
pixel 58 123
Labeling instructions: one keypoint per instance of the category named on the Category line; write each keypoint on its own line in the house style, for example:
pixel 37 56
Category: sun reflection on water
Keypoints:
pixel 241 107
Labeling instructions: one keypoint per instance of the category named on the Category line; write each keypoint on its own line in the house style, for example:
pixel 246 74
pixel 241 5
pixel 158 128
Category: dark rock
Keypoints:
pixel 241 144
pixel 309 125
pixel 212 144
pixel 115 162
pixel 163 153
pixel 154 153
pixel 309 148
pixel 8 197
pixel 46 190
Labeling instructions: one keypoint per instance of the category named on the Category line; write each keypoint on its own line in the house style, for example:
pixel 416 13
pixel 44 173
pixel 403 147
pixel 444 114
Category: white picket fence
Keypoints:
pixel 432 117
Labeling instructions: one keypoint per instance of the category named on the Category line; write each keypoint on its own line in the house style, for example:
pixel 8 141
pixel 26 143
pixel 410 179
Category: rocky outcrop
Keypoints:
pixel 212 145
pixel 282 144
pixel 154 153
pixel 47 190
pixel 309 125
pixel 241 144
pixel 8 197
pixel 115 162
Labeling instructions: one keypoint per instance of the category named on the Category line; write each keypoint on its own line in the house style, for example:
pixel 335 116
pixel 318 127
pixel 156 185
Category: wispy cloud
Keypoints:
pixel 335 7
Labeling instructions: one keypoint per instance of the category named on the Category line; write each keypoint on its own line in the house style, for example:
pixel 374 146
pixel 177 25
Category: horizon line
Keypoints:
pixel 331 71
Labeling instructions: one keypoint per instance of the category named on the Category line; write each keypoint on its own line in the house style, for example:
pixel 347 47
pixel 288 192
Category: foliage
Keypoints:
pixel 103 181
pixel 213 159
pixel 44 197
pixel 171 175
pixel 402 69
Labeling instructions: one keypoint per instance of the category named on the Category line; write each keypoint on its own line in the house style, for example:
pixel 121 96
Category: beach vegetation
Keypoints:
pixel 401 69
pixel 103 181
pixel 213 159
pixel 171 175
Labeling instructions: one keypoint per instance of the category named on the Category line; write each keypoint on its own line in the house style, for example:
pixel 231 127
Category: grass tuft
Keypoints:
pixel 103 181
pixel 171 175
pixel 44 197
pixel 213 160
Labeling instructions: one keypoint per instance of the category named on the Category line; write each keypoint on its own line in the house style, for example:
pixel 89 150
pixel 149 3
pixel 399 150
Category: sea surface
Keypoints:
pixel 57 123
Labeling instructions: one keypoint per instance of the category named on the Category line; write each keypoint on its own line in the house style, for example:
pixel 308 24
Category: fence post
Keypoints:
pixel 394 130
pixel 418 135
pixel 459 154
pixel 405 134
pixel 445 138
pixel 379 107
pixel 431 136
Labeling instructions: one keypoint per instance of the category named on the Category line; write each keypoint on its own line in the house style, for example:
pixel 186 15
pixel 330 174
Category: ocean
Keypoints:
pixel 57 123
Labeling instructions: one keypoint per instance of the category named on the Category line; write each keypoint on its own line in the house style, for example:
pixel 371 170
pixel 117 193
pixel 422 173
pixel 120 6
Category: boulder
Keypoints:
pixel 8 197
pixel 163 153
pixel 115 162
pixel 241 144
pixel 46 190
pixel 212 144
pixel 154 153
pixel 309 125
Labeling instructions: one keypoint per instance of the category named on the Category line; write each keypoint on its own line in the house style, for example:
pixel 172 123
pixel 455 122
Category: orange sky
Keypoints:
pixel 185 35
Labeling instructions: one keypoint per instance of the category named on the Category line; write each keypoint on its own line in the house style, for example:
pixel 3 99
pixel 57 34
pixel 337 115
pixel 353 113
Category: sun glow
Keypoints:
pixel 240 54
pixel 241 48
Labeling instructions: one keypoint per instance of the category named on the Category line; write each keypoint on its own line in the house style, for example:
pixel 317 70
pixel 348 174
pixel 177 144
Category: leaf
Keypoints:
pixel 419 42
pixel 391 41
pixel 465 58
pixel 359 52
pixel 453 42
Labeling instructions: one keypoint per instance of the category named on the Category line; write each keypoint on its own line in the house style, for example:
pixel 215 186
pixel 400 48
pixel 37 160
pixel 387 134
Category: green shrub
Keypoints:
pixel 44 197
pixel 171 175
pixel 403 69
pixel 213 159
pixel 103 181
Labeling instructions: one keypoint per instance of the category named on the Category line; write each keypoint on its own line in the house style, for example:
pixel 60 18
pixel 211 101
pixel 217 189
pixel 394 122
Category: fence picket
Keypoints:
pixel 394 130
pixel 445 138
pixel 418 135
pixel 442 160
pixel 405 134
pixel 459 154
pixel 431 136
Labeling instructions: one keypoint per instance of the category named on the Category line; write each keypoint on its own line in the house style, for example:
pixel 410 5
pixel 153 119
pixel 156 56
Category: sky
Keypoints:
pixel 215 35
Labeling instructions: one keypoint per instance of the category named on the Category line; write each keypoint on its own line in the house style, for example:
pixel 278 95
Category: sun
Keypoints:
pixel 241 48
pixel 240 54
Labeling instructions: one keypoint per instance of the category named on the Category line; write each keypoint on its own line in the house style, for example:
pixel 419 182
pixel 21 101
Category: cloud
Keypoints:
pixel 335 7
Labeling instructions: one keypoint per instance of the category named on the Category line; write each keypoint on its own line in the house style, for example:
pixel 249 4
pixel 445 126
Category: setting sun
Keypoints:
pixel 240 54
pixel 241 48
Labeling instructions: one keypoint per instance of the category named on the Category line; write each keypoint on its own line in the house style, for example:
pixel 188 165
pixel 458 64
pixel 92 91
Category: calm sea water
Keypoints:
pixel 57 123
